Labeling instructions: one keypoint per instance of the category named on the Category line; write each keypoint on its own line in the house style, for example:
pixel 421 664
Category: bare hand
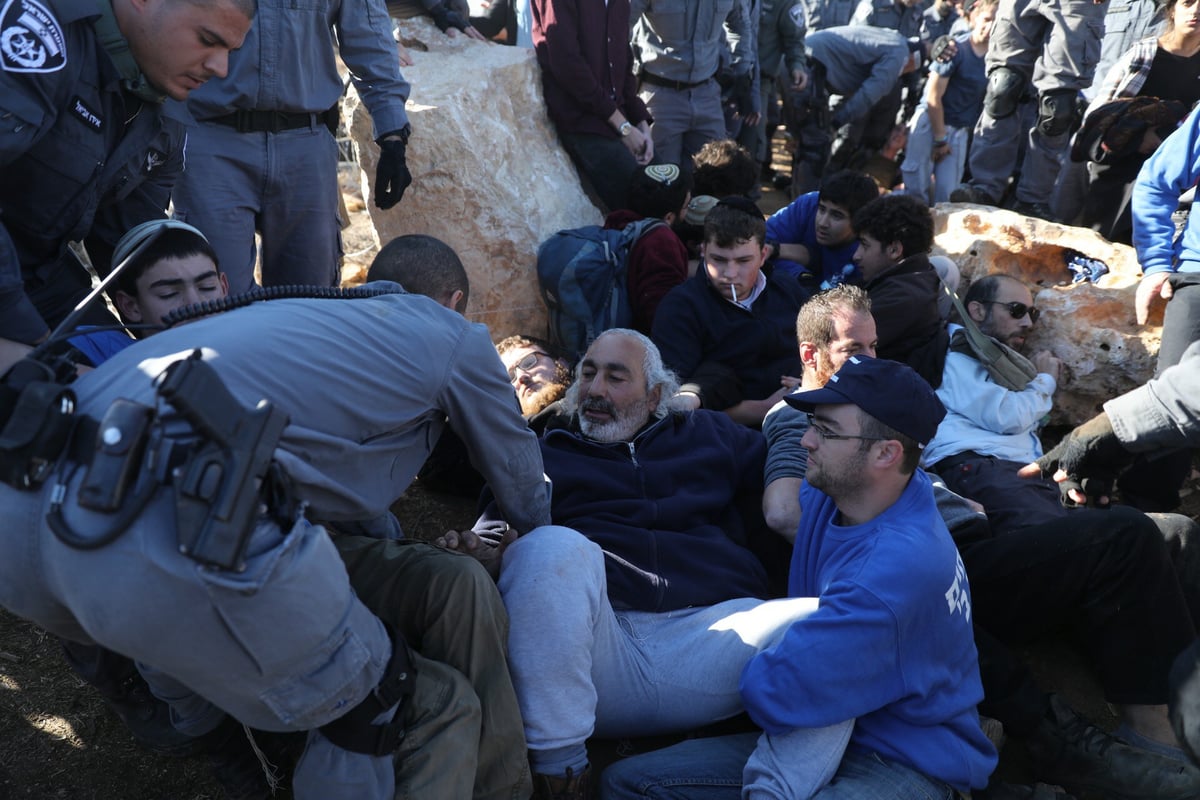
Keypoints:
pixel 641 145
pixel 1045 361
pixel 487 553
pixel 1152 286
pixel 789 382
pixel 1076 495
pixel 940 151
pixel 799 80
pixel 751 120
pixel 402 54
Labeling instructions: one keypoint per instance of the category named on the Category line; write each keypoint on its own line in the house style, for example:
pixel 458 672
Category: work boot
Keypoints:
pixel 966 193
pixel 1069 751
pixel 149 719
pixel 1039 210
pixel 572 787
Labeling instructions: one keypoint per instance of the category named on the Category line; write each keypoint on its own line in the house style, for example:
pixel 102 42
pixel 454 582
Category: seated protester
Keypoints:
pixel 729 330
pixel 424 265
pixel 1027 584
pixel 722 168
pixel 815 231
pixel 613 616
pixel 940 130
pixel 179 268
pixel 540 373
pixel 895 233
pixel 991 427
pixel 658 260
pixel 690 228
pixel 886 647
pixel 1106 573
pixel 830 328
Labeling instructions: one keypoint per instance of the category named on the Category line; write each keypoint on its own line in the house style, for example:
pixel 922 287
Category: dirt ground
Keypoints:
pixel 59 740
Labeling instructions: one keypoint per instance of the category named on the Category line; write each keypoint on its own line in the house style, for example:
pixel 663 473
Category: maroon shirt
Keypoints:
pixel 583 50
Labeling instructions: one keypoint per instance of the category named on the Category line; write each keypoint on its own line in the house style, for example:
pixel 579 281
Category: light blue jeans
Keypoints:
pixel 580 668
pixel 737 767
pixel 918 165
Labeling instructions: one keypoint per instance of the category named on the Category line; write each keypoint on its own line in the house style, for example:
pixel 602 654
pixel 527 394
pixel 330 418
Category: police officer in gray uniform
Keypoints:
pixel 263 156
pixel 86 147
pixel 781 58
pixel 134 541
pixel 1061 37
pixel 679 46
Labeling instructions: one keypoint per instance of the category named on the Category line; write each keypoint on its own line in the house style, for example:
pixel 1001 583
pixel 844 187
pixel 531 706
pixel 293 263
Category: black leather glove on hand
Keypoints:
pixel 391 173
pixel 446 18
pixel 1092 456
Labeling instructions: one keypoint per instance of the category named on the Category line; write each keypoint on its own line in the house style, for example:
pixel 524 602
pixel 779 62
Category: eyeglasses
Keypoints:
pixel 526 364
pixel 1018 310
pixel 829 436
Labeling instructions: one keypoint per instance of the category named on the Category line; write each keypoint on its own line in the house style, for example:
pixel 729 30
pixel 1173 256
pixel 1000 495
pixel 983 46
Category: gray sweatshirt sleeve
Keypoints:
pixel 1165 413
pixel 483 410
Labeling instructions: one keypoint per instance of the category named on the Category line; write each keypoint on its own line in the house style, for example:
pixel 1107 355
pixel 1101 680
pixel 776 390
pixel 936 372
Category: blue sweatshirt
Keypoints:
pixel 664 508
pixel 890 646
pixel 796 223
pixel 1173 169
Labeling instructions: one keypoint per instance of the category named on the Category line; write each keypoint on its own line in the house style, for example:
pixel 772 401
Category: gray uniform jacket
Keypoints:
pixel 1163 414
pixel 781 37
pixel 368 385
pixel 289 63
pixel 862 64
pixel 890 14
pixel 689 40
pixel 71 168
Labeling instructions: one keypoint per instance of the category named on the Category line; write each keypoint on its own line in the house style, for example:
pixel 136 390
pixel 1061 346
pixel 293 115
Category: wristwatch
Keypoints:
pixel 626 128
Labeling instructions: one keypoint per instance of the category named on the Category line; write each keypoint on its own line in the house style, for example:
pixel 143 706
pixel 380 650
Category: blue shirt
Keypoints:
pixel 963 99
pixel 890 646
pixel 796 223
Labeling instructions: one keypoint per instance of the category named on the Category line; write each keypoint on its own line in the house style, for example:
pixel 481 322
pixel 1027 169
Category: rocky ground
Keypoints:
pixel 59 740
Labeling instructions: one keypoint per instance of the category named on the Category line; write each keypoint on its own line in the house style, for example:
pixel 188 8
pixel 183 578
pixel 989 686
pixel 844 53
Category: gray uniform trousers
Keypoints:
pixel 283 185
pixel 284 645
pixel 1062 38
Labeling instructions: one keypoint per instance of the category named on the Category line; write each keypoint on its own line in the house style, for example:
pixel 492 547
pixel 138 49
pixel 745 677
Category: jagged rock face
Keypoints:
pixel 1091 327
pixel 489 175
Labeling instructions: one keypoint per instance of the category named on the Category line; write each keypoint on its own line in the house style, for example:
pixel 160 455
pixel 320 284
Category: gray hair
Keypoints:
pixel 657 374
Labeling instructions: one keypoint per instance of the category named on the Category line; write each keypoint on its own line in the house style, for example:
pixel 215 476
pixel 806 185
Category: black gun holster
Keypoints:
pixel 220 487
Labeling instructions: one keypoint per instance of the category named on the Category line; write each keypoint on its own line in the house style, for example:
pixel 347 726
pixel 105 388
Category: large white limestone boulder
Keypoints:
pixel 489 176
pixel 1091 327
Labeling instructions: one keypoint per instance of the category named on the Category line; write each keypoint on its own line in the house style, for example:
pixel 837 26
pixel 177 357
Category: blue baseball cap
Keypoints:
pixel 889 391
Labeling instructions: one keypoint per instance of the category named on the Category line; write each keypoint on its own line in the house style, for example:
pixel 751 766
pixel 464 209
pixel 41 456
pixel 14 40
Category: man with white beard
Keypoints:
pixel 635 612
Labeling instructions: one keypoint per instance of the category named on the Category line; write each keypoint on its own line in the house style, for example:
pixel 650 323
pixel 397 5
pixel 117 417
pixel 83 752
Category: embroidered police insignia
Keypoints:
pixel 31 40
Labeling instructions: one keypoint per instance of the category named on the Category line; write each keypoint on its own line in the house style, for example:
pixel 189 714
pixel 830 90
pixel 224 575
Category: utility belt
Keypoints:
pixel 679 86
pixel 215 454
pixel 249 121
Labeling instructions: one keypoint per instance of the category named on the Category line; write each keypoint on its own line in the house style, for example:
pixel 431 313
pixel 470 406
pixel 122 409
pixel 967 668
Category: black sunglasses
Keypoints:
pixel 1018 310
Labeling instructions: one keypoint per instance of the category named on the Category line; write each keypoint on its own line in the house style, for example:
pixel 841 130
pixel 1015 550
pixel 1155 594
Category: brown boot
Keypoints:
pixel 572 787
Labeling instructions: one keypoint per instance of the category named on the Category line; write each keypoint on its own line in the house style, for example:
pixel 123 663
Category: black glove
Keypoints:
pixel 446 18
pixel 391 173
pixel 942 49
pixel 1092 456
pixel 744 97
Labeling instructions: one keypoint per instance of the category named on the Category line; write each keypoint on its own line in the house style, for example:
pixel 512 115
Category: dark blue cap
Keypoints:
pixel 891 392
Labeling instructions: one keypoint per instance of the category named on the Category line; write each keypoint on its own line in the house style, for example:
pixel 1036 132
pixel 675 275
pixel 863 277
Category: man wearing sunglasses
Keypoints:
pixel 991 430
